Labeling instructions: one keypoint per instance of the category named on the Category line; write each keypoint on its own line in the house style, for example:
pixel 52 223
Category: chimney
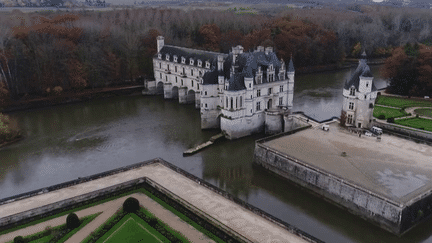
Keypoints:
pixel 220 63
pixel 160 43
pixel 268 50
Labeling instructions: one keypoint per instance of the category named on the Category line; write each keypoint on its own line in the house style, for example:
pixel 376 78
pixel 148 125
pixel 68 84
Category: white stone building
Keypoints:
pixel 241 92
pixel 359 96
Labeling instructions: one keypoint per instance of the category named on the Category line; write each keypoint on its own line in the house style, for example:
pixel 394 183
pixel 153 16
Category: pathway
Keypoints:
pixel 231 216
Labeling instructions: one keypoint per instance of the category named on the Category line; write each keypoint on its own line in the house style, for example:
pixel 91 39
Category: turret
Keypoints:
pixel 160 43
pixel 290 74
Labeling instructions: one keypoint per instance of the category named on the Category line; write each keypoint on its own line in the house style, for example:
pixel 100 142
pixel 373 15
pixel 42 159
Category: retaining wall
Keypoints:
pixel 406 131
pixel 144 182
pixel 368 205
pixel 395 217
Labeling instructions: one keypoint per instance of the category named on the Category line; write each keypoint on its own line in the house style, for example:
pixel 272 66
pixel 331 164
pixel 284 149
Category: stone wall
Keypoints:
pixel 148 184
pixel 273 122
pixel 241 127
pixel 149 87
pixel 359 201
pixel 405 131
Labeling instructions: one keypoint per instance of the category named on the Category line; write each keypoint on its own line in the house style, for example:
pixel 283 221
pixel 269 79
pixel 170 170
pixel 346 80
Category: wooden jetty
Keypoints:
pixel 203 145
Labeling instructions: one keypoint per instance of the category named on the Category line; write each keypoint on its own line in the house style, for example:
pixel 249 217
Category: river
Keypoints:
pixel 70 141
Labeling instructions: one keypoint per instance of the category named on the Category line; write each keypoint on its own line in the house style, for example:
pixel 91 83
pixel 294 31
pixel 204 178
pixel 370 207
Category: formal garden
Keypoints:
pixel 397 111
pixel 130 223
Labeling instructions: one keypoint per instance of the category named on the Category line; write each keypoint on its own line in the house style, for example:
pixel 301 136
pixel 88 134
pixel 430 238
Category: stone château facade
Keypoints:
pixel 359 96
pixel 241 92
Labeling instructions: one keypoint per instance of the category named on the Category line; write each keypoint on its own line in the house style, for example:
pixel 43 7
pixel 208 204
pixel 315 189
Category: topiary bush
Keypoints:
pixel 381 117
pixel 72 221
pixel 19 239
pixel 131 205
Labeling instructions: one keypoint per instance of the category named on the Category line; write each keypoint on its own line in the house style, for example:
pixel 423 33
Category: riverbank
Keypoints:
pixel 71 97
pixel 9 131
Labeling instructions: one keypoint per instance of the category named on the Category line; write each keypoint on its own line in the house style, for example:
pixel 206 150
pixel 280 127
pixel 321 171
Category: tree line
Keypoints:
pixel 50 53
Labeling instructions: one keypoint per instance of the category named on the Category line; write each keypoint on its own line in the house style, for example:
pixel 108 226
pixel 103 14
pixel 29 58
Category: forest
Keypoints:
pixel 49 53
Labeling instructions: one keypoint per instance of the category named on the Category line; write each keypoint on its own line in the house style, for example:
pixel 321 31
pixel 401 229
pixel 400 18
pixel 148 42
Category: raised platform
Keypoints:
pixel 388 182
pixel 241 221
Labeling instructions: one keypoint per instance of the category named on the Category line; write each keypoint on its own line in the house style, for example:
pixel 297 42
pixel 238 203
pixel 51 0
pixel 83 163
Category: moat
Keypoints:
pixel 66 142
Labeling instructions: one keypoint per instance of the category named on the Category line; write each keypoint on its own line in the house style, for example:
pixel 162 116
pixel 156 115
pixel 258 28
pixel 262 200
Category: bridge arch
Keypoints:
pixel 175 92
pixel 190 98
pixel 160 87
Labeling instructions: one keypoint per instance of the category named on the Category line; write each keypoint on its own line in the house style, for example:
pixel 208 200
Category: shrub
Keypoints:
pixel 19 239
pixel 417 115
pixel 72 221
pixel 390 120
pixel 152 222
pixel 131 205
pixel 381 117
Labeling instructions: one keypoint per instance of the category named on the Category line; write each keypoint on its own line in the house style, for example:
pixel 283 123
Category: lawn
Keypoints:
pixel 424 112
pixel 388 112
pixel 132 229
pixel 418 123
pixel 402 102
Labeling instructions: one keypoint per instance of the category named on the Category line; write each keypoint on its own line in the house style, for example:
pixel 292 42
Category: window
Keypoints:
pixel 176 79
pixel 370 106
pixel 236 102
pixel 270 77
pixel 206 105
pixel 281 88
pixel 269 91
pixel 182 82
pixel 175 59
pixel 280 100
pixel 207 65
pixel 258 106
pixel 160 65
pixel 197 86
pixel 350 119
pixel 367 84
pixel 166 78
pixel 175 68
pixel 199 63
pixel 191 62
pixel 232 103
pixel 226 102
pixel 191 72
pixel 192 83
pixel 160 75
pixel 351 106
pixel 160 56
pixel 184 71
pixel 183 60
pixel 167 57
pixel 168 67
pixel 200 73
pixel 241 101
pixel 258 93
pixel 205 92
pixel 352 91
pixel 250 85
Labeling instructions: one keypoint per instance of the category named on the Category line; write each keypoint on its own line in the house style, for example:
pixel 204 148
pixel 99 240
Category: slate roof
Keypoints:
pixel 291 66
pixel 362 70
pixel 247 67
pixel 188 54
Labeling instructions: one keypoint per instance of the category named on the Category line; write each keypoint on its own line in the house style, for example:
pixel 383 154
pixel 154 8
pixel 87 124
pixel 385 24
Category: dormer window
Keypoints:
pixel 207 64
pixel 191 62
pixel 352 91
pixel 167 57
pixel 183 60
pixel 160 56
pixel 271 67
pixel 199 63
pixel 175 58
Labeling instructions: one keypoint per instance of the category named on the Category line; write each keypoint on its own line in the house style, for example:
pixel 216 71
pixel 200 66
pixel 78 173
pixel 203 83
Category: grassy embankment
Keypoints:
pixel 9 131
pixel 402 102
